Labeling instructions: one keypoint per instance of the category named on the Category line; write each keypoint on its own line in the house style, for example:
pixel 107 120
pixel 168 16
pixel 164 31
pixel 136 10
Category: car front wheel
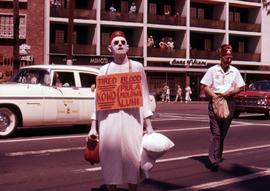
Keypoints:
pixel 8 122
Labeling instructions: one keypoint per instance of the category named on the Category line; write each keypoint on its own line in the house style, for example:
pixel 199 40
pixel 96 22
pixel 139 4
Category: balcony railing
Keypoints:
pixel 256 57
pixel 133 51
pixel 204 54
pixel 207 23
pixel 77 49
pixel 119 16
pixel 167 53
pixel 78 13
pixel 245 27
pixel 166 20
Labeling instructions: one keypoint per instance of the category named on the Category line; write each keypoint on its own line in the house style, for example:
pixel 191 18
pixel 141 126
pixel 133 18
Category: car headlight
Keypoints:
pixel 262 102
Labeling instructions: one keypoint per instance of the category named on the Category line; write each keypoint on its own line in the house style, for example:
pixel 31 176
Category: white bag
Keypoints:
pixel 156 142
pixel 154 145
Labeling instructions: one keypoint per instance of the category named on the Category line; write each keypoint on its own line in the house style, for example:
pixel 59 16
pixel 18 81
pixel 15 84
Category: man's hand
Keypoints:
pixel 149 129
pixel 93 134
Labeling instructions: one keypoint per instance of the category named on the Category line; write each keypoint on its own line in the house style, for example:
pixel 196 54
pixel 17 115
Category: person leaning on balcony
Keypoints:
pixel 121 130
pixel 150 42
pixel 170 44
pixel 133 8
pixel 112 8
pixel 221 81
pixel 163 44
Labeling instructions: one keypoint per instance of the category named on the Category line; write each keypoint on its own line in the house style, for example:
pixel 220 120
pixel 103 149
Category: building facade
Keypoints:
pixel 196 28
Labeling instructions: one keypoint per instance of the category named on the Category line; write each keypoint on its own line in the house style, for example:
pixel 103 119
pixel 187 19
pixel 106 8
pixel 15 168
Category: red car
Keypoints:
pixel 255 99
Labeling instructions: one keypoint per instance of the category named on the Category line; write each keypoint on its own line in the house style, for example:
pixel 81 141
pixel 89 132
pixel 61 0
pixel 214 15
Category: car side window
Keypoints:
pixel 63 79
pixel 87 79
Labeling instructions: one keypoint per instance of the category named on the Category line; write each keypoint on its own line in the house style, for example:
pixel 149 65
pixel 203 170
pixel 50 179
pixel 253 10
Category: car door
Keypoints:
pixel 62 103
pixel 87 96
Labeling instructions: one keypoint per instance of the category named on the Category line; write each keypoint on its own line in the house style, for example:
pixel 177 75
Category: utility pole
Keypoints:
pixel 16 22
pixel 71 7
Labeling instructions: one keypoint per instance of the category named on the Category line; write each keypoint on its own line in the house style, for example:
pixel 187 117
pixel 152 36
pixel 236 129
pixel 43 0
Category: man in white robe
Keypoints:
pixel 120 131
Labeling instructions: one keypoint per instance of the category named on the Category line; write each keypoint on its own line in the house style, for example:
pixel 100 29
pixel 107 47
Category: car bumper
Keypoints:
pixel 251 109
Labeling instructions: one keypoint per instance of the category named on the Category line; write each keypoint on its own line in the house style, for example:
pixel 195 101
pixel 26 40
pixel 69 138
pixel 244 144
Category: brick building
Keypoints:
pixel 197 28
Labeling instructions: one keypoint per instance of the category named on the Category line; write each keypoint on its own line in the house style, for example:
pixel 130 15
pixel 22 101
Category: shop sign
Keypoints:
pixel 27 58
pixel 119 91
pixel 25 53
pixel 99 60
pixel 191 62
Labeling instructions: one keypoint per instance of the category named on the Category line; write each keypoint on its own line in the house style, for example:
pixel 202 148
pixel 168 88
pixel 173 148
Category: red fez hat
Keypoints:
pixel 116 34
pixel 226 50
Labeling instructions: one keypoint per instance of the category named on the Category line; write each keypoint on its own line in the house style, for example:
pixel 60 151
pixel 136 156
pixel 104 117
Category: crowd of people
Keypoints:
pixel 166 94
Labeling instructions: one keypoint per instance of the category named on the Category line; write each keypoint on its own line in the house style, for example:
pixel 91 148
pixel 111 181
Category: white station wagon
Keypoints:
pixel 47 95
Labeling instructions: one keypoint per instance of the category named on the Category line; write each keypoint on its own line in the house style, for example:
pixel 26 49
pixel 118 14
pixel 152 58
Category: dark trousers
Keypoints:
pixel 219 129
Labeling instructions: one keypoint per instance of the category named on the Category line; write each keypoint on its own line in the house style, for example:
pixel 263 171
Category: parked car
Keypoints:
pixel 46 95
pixel 255 99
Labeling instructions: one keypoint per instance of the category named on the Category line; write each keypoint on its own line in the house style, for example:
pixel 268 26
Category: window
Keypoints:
pixel 63 79
pixel 241 47
pixel 105 39
pixel 6 27
pixel 87 80
pixel 152 8
pixel 59 36
pixel 207 44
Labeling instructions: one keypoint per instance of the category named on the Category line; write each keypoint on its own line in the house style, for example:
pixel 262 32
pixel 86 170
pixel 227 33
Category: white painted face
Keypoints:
pixel 119 45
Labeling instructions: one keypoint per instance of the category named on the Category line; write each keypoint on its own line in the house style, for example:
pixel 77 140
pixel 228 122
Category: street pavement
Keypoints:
pixel 51 159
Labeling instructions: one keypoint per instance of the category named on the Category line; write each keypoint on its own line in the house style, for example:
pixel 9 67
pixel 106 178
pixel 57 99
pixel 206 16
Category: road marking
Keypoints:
pixel 48 151
pixel 228 181
pixel 45 151
pixel 84 135
pixel 191 156
pixel 234 124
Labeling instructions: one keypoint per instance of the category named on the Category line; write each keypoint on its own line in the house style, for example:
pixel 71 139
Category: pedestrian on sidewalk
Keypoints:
pixel 168 94
pixel 120 130
pixel 221 81
pixel 179 94
pixel 188 92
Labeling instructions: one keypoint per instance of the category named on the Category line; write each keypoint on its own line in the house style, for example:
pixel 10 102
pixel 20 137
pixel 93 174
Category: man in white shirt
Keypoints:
pixel 225 81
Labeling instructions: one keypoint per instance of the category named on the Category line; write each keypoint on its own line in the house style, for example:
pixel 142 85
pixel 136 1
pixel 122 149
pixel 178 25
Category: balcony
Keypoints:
pixel 78 13
pixel 166 53
pixel 245 27
pixel 167 20
pixel 256 57
pixel 207 23
pixel 119 16
pixel 133 51
pixel 204 54
pixel 78 49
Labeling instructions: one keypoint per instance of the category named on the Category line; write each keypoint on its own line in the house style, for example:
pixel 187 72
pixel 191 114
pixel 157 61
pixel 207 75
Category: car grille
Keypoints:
pixel 252 101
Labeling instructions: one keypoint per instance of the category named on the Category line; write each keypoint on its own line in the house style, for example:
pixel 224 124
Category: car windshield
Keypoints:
pixel 260 86
pixel 31 76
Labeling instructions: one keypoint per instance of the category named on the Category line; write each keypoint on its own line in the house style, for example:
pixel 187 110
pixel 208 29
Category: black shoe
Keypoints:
pixel 214 167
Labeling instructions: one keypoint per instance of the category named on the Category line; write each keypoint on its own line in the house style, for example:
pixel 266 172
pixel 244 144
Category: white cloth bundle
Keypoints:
pixel 154 145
